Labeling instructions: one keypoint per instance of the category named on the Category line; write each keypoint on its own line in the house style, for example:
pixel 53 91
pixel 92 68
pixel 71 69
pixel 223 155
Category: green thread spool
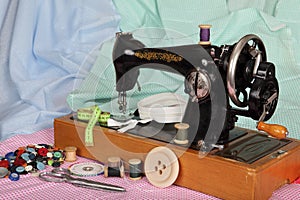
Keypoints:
pixel 135 169
pixel 182 133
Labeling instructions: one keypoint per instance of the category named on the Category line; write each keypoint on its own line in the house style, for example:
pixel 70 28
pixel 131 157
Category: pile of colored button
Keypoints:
pixel 30 159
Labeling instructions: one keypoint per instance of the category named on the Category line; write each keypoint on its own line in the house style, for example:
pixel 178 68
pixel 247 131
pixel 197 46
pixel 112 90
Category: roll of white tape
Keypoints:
pixel 163 107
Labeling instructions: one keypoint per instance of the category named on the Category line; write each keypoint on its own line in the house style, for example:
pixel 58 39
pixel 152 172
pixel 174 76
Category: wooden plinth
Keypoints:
pixel 213 175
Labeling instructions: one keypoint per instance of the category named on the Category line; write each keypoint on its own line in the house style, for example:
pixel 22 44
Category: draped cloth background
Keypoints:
pixel 53 51
pixel 172 22
pixel 42 47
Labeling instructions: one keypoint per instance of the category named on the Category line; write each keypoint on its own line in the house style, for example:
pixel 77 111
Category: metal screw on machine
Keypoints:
pixel 207 147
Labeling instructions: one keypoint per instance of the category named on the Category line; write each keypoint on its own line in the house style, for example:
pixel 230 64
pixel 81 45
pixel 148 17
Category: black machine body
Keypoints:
pixel 222 82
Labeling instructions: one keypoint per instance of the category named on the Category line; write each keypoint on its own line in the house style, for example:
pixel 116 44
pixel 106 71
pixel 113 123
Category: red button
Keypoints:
pixel 43 152
pixel 20 151
pixel 4 163
pixel 19 162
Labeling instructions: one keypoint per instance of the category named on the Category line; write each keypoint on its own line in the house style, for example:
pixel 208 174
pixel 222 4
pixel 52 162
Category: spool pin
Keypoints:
pixel 182 133
pixel 204 34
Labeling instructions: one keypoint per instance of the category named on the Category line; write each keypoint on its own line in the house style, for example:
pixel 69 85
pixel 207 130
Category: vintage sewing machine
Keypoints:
pixel 222 82
pixel 207 69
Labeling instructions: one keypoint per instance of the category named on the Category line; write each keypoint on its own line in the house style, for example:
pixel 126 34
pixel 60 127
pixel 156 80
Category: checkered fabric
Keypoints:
pixel 31 187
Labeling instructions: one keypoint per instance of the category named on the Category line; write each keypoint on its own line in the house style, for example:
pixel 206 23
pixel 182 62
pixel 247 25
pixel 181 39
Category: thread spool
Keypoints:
pixel 204 34
pixel 182 133
pixel 70 154
pixel 114 172
pixel 114 168
pixel 135 169
pixel 114 161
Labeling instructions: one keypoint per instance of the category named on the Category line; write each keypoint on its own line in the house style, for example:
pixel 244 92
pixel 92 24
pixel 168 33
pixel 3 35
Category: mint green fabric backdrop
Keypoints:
pixel 174 22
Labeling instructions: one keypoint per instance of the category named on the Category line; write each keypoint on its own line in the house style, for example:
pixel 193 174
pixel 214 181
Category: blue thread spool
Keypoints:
pixel 204 34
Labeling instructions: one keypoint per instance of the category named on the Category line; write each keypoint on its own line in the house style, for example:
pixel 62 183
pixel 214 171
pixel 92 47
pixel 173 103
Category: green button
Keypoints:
pixel 50 162
pixel 57 154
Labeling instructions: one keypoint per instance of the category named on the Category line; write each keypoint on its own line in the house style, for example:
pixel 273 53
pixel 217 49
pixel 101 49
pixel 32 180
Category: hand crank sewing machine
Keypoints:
pixel 251 165
pixel 207 69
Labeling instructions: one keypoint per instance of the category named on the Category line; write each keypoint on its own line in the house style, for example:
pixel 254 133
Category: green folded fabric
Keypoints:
pixel 267 6
pixel 289 13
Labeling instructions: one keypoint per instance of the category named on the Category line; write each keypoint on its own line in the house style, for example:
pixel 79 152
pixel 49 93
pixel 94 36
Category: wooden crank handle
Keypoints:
pixel 274 130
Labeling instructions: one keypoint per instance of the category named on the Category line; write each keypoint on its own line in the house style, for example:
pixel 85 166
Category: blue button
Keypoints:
pixel 20 169
pixel 31 156
pixel 25 156
pixel 14 176
pixel 29 149
pixel 10 156
pixel 40 165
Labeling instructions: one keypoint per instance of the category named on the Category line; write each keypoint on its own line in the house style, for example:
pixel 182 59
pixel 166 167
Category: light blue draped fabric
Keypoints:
pixel 49 49
pixel 46 49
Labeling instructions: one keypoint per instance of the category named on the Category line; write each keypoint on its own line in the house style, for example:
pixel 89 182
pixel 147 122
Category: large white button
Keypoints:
pixel 161 167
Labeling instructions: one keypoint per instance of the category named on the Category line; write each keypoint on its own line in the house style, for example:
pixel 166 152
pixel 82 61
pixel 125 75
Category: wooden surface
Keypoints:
pixel 214 175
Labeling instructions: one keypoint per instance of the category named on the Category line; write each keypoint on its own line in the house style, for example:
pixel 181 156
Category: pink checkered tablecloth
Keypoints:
pixel 31 187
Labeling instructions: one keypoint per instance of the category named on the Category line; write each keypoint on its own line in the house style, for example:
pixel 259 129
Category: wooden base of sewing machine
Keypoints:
pixel 214 175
